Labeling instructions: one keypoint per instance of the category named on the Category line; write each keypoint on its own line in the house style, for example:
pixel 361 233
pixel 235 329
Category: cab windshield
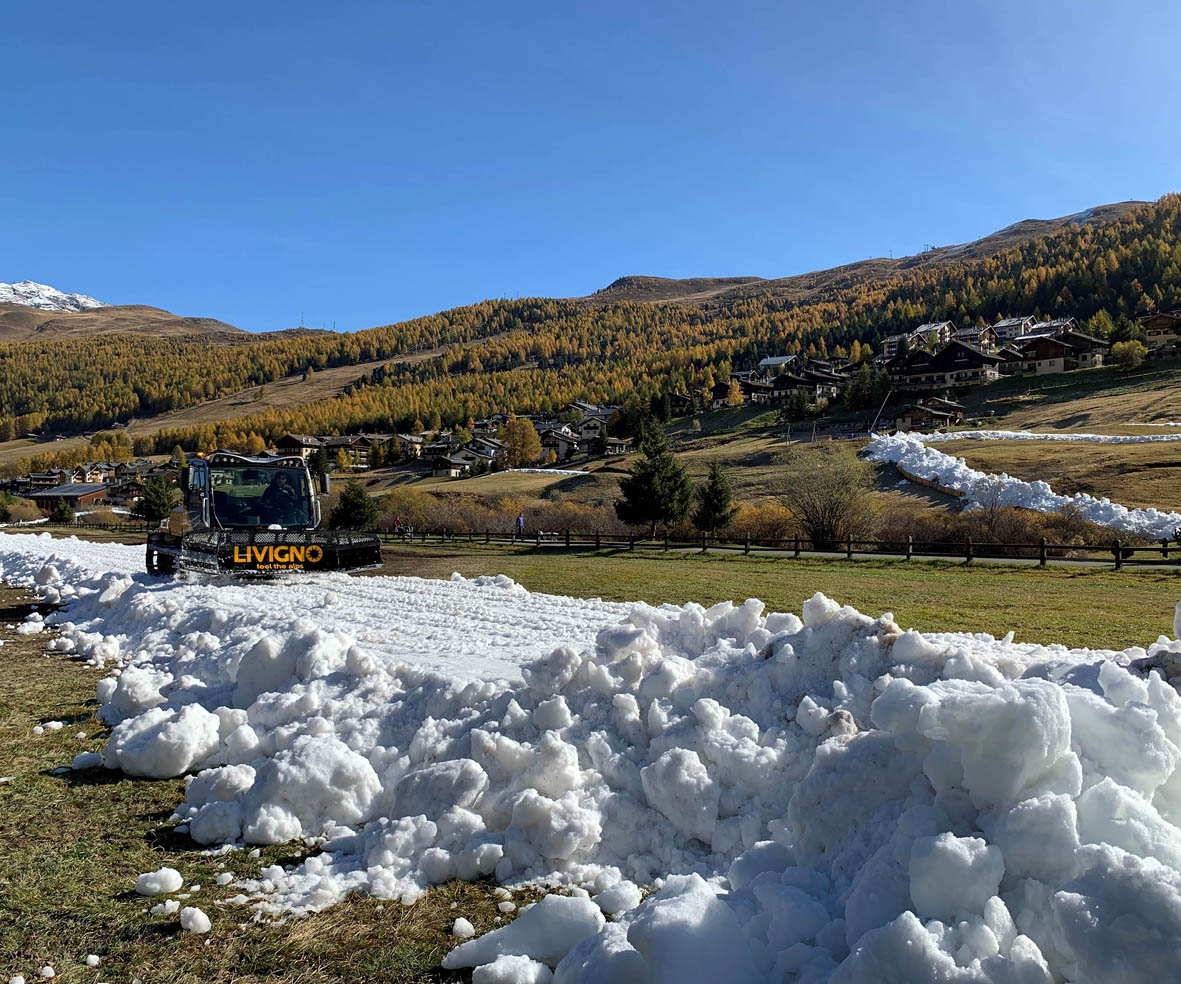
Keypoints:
pixel 260 496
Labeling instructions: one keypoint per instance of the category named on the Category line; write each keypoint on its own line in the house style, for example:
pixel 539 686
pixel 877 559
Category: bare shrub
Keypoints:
pixel 829 491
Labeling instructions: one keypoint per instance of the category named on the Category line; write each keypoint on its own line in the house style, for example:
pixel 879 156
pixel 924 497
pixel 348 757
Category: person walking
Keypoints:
pixel 520 524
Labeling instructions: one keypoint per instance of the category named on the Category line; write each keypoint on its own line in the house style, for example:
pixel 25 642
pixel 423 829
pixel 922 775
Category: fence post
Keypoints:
pixel 1119 555
pixel 797 547
pixel 539 538
pixel 567 538
pixel 746 544
pixel 909 545
pixel 704 542
pixel 487 537
pixel 1164 548
pixel 968 557
pixel 598 540
pixel 666 542
pixel 1041 552
pixel 849 547
pixel 631 543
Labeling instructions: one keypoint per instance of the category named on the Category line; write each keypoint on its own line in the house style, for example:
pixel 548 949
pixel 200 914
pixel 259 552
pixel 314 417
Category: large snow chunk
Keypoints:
pixel 1121 921
pixel 1038 837
pixel 434 788
pixel 159 882
pixel 193 920
pixel 1006 739
pixel 950 874
pixel 316 780
pixel 512 969
pixel 685 933
pixel 679 786
pixel 161 743
pixel 607 956
pixel 546 933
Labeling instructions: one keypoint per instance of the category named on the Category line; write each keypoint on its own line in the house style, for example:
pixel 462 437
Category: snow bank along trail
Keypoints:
pixel 825 798
pixel 939 437
pixel 910 452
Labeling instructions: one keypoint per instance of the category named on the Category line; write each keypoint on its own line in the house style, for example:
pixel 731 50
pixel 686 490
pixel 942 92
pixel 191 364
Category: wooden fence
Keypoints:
pixel 1118 553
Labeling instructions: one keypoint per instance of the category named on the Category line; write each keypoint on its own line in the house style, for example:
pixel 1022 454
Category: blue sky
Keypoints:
pixel 361 163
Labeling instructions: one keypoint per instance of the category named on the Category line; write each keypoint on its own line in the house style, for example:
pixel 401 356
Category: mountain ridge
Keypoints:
pixel 657 290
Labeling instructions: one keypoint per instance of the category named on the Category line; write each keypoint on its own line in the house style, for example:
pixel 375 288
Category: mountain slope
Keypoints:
pixel 700 290
pixel 27 324
pixel 29 293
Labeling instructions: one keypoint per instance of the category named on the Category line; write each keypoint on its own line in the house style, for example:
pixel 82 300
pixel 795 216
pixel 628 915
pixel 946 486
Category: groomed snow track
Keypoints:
pixel 825 798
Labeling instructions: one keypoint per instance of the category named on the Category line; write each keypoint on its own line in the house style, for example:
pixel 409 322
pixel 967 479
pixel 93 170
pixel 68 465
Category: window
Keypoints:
pixel 247 496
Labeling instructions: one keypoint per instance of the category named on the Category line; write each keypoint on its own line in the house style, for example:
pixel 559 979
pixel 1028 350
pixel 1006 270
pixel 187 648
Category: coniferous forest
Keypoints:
pixel 538 354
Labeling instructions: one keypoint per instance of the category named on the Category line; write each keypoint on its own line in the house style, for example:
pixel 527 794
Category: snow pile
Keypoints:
pixel 46 298
pixel 546 471
pixel 909 452
pixel 939 437
pixel 816 798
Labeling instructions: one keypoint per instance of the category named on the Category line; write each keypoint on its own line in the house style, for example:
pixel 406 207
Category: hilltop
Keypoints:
pixel 703 290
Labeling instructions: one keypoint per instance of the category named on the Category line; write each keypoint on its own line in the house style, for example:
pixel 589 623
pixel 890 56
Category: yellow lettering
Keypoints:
pixel 296 554
pixel 282 555
pixel 238 558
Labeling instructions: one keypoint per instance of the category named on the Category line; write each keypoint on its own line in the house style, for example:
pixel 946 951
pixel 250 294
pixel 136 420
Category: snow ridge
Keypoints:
pixel 939 437
pixel 909 450
pixel 822 798
pixel 46 298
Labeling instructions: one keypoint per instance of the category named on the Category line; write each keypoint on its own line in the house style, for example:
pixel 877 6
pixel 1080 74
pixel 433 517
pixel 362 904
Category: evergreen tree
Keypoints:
pixel 179 454
pixel 319 461
pixel 715 501
pixel 376 455
pixel 658 491
pixel 62 514
pixel 355 511
pixel 157 501
pixel 794 408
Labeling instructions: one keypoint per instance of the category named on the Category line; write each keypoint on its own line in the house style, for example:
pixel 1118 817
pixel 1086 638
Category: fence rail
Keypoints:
pixel 1118 553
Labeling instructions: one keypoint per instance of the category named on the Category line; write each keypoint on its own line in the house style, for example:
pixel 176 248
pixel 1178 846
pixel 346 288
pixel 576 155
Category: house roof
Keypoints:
pixel 776 360
pixel 301 440
pixel 70 489
pixel 932 326
pixel 1009 322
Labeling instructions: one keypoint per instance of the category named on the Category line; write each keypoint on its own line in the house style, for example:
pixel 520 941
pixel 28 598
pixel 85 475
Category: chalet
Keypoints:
pixel 774 364
pixel 1061 353
pixel 131 469
pixel 1054 326
pixel 719 397
pixel 592 427
pixel 757 391
pixel 1087 351
pixel 788 384
pixel 956 410
pixel 410 445
pixel 559 439
pixel 1011 359
pixel 436 449
pixel 828 384
pixel 125 492
pixel 449 467
pixel 39 481
pixel 1010 328
pixel 920 417
pixel 984 338
pixel 955 366
pixel 488 447
pixel 933 333
pixel 682 404
pixel 1162 330
pixel 619 445
pixel 76 495
pixel 303 445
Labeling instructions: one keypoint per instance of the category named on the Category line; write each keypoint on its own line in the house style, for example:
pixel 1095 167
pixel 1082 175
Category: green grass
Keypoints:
pixel 1099 608
pixel 73 844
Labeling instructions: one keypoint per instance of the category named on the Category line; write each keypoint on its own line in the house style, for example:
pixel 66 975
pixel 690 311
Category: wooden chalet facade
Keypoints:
pixel 76 495
pixel 1009 328
pixel 955 366
pixel 1162 330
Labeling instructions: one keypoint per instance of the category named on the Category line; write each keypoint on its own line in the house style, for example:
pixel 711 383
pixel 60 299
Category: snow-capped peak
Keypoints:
pixel 46 298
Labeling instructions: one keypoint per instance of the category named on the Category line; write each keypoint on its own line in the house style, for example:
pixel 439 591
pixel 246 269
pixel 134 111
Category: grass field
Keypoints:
pixel 75 842
pixel 1038 605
